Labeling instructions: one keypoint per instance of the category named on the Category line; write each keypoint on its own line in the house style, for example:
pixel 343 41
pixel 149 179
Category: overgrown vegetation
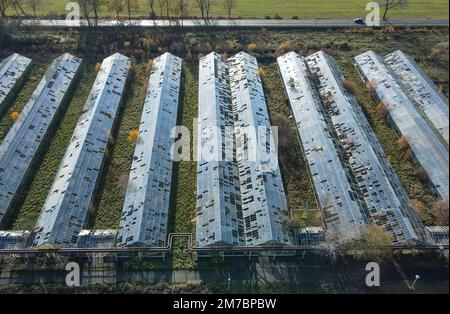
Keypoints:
pixel 375 245
pixel 183 198
pixel 429 47
pixel 291 160
pixel 119 288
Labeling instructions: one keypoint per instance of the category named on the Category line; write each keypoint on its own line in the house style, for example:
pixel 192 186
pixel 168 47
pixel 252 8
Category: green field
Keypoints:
pixel 305 9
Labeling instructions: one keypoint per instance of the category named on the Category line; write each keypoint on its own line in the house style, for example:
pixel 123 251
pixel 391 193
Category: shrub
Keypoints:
pixel 422 175
pixel 418 204
pixel 389 29
pixel 403 143
pixel 14 115
pixel 295 17
pixel 133 135
pixel 349 86
pixel 370 86
pixel 283 48
pixel 409 154
pixel 440 212
pixel 374 246
pixel 251 47
pixel 434 55
pixel 382 109
pixel 262 73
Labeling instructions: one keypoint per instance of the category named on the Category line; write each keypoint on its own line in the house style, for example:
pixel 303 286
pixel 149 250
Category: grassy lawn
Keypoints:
pixel 286 9
pixel 142 45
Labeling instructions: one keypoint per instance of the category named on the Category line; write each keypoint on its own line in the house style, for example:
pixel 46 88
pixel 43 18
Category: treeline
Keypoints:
pixel 91 9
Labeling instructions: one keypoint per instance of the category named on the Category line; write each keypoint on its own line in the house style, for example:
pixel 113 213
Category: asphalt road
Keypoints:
pixel 234 23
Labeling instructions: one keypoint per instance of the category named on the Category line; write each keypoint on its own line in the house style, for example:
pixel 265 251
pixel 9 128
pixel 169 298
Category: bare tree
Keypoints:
pixel 4 4
pixel 168 6
pixel 17 5
pixel 85 8
pixel 151 5
pixel 229 6
pixel 182 9
pixel 205 7
pixel 391 4
pixel 161 5
pixel 95 6
pixel 34 5
pixel 117 6
pixel 132 6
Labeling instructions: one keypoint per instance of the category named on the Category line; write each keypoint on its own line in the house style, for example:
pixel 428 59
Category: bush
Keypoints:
pixel 403 143
pixel 295 17
pixel 382 109
pixel 268 17
pixel 371 85
pixel 14 115
pixel 375 245
pixel 251 47
pixel 283 48
pixel 349 86
pixel 409 154
pixel 133 135
pixel 422 175
pixel 262 73
pixel 277 17
pixel 440 213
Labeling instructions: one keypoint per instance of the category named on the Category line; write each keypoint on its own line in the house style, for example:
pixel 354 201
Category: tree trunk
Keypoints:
pixel 386 9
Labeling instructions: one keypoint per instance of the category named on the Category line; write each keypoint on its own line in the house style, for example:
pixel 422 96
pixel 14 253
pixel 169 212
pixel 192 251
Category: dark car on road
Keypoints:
pixel 359 21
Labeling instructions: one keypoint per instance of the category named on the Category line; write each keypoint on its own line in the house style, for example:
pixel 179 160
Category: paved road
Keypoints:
pixel 234 23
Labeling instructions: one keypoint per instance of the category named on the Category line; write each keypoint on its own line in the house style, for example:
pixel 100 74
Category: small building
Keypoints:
pixel 14 239
pixel 97 238
pixel 311 236
pixel 437 234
